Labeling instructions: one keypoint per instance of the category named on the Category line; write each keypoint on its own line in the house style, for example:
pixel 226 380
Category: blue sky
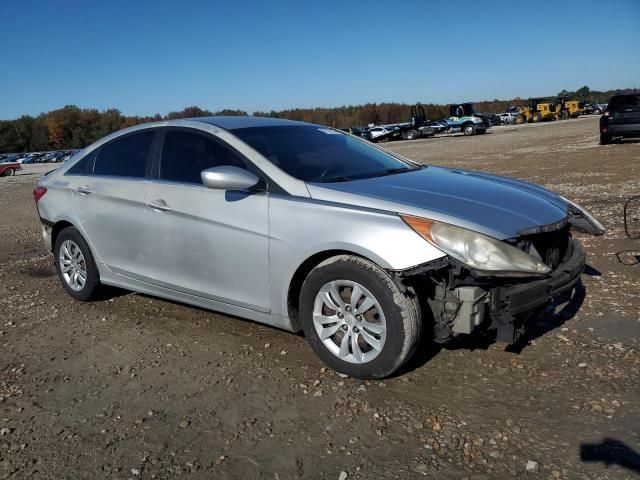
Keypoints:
pixel 146 57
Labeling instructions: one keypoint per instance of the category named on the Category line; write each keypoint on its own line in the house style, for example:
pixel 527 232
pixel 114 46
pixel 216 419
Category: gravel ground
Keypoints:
pixel 135 387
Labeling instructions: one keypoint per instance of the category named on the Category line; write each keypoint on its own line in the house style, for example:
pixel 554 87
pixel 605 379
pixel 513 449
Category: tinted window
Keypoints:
pixel 126 157
pixel 622 101
pixel 84 166
pixel 316 154
pixel 185 154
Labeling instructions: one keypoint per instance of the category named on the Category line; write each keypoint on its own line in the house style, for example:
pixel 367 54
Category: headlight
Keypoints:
pixel 598 228
pixel 475 250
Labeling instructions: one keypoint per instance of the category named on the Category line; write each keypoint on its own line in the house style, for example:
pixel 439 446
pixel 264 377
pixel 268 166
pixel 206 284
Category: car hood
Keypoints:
pixel 496 206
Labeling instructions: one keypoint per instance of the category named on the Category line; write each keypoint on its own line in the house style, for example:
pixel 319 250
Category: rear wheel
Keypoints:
pixel 537 117
pixel 356 319
pixel 412 134
pixel 597 111
pixel 75 265
pixel 605 139
pixel 9 172
pixel 468 129
pixel 564 115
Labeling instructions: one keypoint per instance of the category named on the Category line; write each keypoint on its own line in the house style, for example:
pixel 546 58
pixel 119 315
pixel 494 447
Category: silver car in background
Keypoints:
pixel 304 227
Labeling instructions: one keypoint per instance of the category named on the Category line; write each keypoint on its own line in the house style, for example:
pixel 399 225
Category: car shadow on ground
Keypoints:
pixel 611 452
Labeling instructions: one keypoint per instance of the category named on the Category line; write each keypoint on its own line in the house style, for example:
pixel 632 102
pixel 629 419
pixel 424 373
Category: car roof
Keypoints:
pixel 237 122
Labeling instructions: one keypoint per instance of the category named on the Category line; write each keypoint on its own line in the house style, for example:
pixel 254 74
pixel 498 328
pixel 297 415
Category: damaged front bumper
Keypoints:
pixel 462 301
pixel 510 306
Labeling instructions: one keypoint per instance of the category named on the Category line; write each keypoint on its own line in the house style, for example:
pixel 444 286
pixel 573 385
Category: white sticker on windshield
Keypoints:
pixel 328 131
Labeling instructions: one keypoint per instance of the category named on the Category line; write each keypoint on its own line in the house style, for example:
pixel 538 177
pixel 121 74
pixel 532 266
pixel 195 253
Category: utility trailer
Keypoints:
pixel 418 127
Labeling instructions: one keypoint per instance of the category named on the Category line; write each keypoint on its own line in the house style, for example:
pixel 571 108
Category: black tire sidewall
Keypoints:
pixel 71 233
pixel 9 172
pixel 388 360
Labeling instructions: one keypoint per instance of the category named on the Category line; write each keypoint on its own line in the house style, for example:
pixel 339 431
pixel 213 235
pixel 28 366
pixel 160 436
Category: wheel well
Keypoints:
pixel 295 287
pixel 57 228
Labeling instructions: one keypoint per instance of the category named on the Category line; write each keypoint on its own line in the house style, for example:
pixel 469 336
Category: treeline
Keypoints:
pixel 73 127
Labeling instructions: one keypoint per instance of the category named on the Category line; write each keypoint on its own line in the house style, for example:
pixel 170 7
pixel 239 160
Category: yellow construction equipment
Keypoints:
pixel 536 111
pixel 565 109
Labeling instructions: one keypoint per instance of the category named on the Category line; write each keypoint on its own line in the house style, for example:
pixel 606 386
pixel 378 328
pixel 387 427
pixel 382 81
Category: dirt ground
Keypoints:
pixel 135 387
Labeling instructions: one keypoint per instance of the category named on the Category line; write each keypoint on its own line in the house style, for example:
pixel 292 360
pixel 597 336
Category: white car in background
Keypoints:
pixel 508 117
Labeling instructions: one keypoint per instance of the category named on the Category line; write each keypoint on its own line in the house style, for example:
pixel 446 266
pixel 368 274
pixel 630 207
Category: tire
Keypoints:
pixel 564 115
pixel 520 119
pixel 597 111
pixel 9 172
pixel 412 135
pixel 68 242
pixel 468 129
pixel 398 313
pixel 605 139
pixel 536 117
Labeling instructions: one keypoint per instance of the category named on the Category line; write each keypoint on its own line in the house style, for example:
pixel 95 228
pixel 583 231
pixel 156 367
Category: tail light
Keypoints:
pixel 38 193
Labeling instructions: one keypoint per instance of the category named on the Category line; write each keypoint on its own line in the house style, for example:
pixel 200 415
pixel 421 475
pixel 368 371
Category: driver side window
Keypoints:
pixel 185 154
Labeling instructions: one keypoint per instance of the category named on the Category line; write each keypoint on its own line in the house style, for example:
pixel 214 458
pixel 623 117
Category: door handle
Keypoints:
pixel 84 190
pixel 160 205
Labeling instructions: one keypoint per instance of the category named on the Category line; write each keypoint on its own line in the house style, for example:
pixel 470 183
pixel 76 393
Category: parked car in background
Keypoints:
pixel 8 168
pixel 379 134
pixel 303 227
pixel 508 117
pixel 594 108
pixel 439 126
pixel 621 119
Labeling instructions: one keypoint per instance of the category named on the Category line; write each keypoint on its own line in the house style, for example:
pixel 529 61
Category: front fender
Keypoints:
pixel 302 228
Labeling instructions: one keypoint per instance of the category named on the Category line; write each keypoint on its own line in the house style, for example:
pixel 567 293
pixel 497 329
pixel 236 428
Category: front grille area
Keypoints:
pixel 550 247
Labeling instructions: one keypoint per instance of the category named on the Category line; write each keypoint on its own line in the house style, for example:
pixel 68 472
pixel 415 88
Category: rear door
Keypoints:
pixel 110 201
pixel 207 242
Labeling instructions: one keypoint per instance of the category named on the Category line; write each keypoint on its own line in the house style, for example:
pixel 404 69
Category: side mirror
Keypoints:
pixel 228 178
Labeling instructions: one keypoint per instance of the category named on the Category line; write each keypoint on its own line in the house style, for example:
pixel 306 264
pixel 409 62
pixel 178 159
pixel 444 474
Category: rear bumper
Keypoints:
pixel 632 130
pixel 511 306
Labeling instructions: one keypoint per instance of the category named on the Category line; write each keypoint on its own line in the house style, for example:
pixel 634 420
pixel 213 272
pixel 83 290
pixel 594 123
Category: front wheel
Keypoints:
pixel 412 134
pixel 9 172
pixel 597 111
pixel 468 129
pixel 356 319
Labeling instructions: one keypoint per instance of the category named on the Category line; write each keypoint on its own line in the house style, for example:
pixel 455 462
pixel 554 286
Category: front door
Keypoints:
pixel 206 242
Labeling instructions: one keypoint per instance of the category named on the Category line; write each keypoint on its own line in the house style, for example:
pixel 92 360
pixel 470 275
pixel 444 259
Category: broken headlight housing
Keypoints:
pixel 477 251
pixel 592 226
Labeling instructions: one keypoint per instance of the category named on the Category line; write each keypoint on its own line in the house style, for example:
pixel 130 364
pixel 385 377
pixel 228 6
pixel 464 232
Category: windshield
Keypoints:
pixel 316 154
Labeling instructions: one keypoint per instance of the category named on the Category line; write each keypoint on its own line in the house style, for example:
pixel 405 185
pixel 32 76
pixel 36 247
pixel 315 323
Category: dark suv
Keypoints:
pixel 621 118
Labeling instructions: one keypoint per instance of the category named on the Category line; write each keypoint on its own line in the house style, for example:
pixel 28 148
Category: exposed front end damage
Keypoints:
pixel 463 301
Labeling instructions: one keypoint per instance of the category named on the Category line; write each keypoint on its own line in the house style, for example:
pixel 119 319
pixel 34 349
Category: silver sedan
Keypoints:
pixel 303 227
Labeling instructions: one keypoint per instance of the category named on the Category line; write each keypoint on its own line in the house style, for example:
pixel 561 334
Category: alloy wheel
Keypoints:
pixel 349 321
pixel 72 265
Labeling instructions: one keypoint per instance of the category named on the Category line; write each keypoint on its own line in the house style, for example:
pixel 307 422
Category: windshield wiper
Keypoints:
pixel 391 171
pixel 337 178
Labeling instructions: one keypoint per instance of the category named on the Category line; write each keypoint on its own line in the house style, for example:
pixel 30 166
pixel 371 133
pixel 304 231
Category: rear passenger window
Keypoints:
pixel 185 154
pixel 126 157
pixel 83 166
